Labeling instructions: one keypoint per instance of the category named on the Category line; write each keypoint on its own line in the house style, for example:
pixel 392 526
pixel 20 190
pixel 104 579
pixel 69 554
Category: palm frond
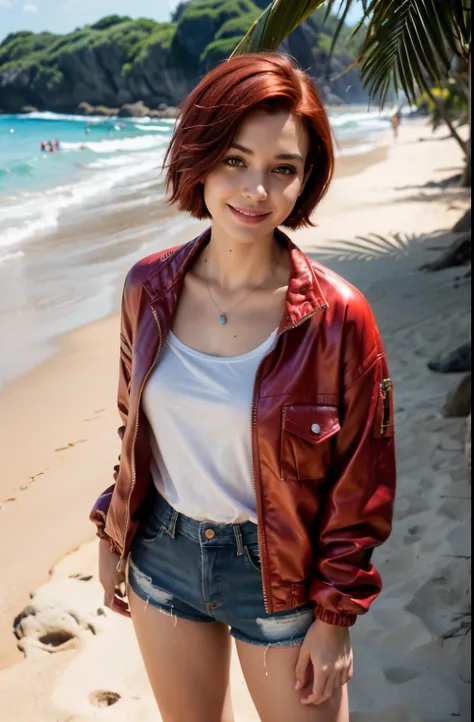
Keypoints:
pixel 342 12
pixel 407 42
pixel 462 14
pixel 410 40
pixel 275 24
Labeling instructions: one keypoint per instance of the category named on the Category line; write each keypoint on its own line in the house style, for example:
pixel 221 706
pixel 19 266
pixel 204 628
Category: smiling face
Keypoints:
pixel 254 188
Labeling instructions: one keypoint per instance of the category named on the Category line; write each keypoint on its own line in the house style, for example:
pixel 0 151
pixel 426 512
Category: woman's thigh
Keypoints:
pixel 270 676
pixel 187 663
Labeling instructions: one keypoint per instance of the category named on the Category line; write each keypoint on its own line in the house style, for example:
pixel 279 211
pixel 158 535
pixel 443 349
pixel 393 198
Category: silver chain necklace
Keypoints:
pixel 223 314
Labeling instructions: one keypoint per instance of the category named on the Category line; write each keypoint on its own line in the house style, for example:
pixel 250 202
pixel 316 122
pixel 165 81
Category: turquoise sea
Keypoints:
pixel 72 222
pixel 97 154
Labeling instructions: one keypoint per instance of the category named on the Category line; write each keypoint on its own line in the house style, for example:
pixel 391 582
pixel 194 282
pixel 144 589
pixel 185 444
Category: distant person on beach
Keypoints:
pixel 396 116
pixel 44 145
pixel 257 467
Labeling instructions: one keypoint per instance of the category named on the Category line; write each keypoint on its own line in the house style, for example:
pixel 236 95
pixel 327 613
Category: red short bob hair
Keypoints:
pixel 212 113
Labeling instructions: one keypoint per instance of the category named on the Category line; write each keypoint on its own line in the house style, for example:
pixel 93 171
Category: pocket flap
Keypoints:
pixel 312 423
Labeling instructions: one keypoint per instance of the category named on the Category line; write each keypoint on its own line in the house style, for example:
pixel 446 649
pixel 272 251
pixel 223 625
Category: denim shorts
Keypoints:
pixel 208 572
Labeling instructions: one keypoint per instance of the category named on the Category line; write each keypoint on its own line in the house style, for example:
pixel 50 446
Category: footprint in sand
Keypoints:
pixel 400 675
pixel 427 484
pixel 80 577
pixel 414 534
pixel 452 509
pixel 410 505
pixel 96 416
pixel 70 444
pixel 103 698
pixel 57 640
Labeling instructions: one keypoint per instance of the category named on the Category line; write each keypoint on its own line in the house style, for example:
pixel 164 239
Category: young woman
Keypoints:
pixel 257 466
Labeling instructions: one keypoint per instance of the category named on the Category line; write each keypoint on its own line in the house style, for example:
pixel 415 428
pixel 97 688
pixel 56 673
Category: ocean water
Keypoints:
pixel 97 154
pixel 73 222
pixel 36 186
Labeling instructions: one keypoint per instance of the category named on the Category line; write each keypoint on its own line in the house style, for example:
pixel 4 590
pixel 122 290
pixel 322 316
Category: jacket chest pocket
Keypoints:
pixel 307 432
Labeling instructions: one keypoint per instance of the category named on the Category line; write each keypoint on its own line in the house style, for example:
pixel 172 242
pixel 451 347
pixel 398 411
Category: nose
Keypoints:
pixel 254 189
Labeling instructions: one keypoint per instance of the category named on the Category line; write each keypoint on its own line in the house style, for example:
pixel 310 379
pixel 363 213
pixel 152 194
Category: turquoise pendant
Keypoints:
pixel 222 318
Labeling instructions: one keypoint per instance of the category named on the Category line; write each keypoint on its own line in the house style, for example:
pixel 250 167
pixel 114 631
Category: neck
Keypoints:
pixel 233 264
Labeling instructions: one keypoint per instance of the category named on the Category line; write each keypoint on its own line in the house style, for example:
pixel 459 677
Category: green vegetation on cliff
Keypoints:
pixel 129 36
pixel 119 60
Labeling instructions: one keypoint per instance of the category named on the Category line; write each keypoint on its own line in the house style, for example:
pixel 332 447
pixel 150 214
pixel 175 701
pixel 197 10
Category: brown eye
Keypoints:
pixel 287 170
pixel 233 161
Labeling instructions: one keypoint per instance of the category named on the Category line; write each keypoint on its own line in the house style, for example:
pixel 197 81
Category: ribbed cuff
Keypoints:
pixel 339 620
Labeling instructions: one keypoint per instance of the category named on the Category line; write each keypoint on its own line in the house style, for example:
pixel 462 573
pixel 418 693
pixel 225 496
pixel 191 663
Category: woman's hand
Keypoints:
pixel 326 653
pixel 112 580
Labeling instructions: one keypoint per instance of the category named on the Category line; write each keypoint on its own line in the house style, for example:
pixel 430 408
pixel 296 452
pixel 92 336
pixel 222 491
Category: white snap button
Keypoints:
pixel 315 428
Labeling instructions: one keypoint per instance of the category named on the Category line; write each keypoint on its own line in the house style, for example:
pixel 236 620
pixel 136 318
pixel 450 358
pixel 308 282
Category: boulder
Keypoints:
pixel 458 401
pixel 85 108
pixel 106 111
pixel 88 109
pixel 458 253
pixel 134 110
pixel 464 223
pixel 170 112
pixel 453 361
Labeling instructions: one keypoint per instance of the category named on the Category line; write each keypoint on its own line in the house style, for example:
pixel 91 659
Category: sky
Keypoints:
pixel 62 16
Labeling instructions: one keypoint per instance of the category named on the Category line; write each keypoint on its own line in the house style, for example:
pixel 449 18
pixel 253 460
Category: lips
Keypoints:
pixel 249 212
pixel 241 215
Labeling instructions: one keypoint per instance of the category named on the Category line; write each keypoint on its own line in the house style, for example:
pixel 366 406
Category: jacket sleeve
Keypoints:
pixel 98 513
pixel 356 514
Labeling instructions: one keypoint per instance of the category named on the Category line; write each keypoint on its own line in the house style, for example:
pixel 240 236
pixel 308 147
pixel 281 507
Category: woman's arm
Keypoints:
pixel 356 514
pixel 99 511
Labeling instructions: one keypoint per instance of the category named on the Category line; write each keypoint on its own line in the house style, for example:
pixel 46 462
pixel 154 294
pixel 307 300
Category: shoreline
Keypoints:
pixel 170 109
pixel 59 426
pixel 112 237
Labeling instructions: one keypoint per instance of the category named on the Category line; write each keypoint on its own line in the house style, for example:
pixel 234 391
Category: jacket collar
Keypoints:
pixel 304 296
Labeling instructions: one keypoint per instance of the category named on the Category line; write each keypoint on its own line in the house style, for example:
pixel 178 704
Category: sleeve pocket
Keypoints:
pixel 384 414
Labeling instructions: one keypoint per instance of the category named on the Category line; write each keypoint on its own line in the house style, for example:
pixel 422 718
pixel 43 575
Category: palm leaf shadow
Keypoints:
pixel 373 247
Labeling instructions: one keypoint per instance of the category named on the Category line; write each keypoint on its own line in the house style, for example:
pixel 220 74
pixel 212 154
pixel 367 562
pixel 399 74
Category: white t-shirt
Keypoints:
pixel 199 409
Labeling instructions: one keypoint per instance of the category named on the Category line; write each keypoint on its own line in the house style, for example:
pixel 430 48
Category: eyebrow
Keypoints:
pixel 281 156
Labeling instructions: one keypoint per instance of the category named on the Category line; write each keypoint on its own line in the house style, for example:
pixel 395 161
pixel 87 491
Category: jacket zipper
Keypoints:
pixel 135 434
pixel 385 390
pixel 263 545
pixel 267 605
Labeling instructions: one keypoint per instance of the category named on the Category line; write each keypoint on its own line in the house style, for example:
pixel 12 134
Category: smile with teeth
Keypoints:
pixel 248 213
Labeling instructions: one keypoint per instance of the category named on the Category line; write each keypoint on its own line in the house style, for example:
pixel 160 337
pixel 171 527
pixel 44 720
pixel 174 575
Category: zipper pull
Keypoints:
pixel 385 389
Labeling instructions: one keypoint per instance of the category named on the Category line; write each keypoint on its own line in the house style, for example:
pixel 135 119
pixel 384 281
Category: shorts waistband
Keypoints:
pixel 202 532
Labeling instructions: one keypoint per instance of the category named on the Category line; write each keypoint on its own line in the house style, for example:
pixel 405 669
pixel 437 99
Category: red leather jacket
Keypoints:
pixel 322 434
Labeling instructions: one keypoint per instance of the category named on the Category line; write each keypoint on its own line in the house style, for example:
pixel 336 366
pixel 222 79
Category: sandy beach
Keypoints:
pixel 75 662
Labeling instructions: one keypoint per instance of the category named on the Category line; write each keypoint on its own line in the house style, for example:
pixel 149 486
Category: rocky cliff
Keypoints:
pixel 121 61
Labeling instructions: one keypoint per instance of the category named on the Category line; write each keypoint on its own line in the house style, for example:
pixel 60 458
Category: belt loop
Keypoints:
pixel 172 527
pixel 238 539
